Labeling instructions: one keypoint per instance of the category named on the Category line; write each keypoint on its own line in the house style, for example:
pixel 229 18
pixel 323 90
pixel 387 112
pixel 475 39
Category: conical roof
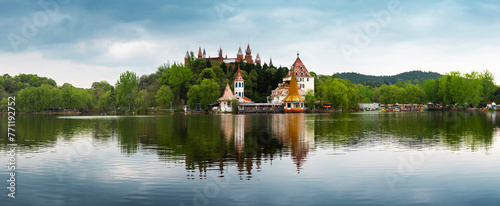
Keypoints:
pixel 227 95
pixel 293 92
pixel 239 77
pixel 258 57
pixel 240 52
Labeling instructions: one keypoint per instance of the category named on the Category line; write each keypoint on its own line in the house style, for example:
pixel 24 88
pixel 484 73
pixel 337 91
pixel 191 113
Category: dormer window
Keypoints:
pixel 296 73
pixel 301 67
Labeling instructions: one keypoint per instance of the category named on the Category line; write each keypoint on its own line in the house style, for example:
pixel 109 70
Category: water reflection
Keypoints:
pixel 204 142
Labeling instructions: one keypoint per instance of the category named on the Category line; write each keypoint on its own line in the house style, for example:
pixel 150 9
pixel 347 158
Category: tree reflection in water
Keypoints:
pixel 215 142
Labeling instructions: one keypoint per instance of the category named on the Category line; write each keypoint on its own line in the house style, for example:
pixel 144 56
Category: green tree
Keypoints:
pixel 100 88
pixel 178 78
pixel 126 89
pixel 164 96
pixel 143 100
pixel 310 99
pixel 107 101
pixel 3 104
pixel 205 93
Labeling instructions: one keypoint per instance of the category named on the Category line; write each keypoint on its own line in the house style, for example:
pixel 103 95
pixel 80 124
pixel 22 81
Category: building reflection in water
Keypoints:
pixel 289 134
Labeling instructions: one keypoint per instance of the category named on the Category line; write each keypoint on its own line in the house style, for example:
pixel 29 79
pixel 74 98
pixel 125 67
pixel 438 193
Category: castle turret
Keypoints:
pixel 186 58
pixel 204 54
pixel 200 55
pixel 239 84
pixel 239 56
pixel 220 58
pixel 248 55
pixel 257 59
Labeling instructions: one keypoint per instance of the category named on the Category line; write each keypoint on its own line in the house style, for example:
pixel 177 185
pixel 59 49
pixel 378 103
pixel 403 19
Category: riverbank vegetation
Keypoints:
pixel 201 82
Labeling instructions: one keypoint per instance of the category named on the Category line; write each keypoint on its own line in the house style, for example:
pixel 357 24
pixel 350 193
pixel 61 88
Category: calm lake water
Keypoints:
pixel 276 159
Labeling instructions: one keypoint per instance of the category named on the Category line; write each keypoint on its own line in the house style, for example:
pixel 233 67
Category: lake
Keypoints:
pixel 368 158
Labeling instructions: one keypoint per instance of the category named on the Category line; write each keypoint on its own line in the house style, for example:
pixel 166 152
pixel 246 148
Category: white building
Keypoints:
pixel 305 82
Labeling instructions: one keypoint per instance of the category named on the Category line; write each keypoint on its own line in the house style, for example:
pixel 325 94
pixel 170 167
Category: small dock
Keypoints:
pixel 261 108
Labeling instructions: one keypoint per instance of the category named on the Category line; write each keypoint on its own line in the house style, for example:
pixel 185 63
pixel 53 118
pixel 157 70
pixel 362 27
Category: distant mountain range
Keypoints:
pixel 379 80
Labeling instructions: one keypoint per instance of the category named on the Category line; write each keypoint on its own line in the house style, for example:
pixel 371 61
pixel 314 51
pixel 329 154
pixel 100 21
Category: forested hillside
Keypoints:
pixel 379 80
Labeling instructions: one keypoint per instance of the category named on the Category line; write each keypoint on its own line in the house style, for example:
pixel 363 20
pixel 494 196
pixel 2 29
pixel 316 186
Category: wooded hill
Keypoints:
pixel 392 79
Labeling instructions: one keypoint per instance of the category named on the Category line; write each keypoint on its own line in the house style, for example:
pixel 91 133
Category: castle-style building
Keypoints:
pixel 247 58
pixel 239 94
pixel 304 82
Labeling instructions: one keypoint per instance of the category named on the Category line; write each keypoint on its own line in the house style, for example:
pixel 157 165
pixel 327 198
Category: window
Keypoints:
pixel 307 79
pixel 236 84
pixel 296 73
pixel 302 73
pixel 300 67
pixel 288 105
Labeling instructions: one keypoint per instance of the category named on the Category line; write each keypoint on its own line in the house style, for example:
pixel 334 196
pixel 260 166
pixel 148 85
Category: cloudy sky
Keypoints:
pixel 80 42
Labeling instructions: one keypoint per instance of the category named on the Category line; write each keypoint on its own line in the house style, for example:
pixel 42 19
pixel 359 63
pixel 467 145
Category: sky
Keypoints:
pixel 80 42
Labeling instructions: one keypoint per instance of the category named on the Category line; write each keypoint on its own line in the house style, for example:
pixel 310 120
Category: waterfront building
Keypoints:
pixel 225 101
pixel 293 101
pixel 304 80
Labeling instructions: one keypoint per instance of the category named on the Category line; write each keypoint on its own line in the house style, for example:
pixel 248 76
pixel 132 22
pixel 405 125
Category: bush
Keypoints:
pixel 179 109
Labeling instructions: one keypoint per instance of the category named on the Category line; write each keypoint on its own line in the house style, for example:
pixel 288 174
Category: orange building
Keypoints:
pixel 293 101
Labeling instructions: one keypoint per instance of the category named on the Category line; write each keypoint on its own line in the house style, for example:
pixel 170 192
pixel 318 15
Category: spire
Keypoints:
pixel 187 55
pixel 239 52
pixel 204 53
pixel 293 91
pixel 220 52
pixel 258 57
pixel 271 62
pixel 239 77
pixel 248 51
pixel 200 55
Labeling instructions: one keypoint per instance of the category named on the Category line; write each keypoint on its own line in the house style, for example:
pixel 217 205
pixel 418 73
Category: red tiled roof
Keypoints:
pixel 239 77
pixel 296 68
pixel 227 95
pixel 246 99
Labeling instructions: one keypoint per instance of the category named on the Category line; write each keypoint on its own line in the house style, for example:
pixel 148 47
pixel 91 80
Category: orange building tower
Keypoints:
pixel 248 55
pixel 293 101
pixel 239 55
